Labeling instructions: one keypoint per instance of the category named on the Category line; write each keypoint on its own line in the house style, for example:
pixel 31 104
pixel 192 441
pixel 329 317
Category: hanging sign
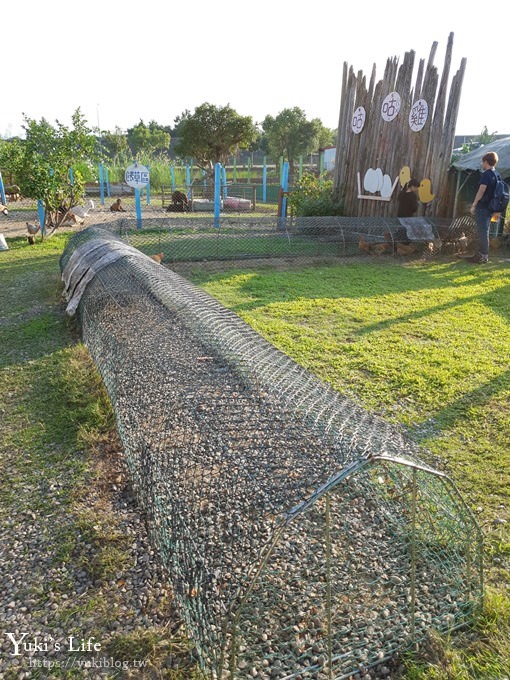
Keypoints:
pixel 390 106
pixel 418 115
pixel 358 120
pixel 137 176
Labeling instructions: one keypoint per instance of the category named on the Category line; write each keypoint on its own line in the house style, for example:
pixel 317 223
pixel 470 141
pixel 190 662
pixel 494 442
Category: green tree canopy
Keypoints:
pixel 290 134
pixel 213 133
pixel 148 139
pixel 45 163
pixel 115 145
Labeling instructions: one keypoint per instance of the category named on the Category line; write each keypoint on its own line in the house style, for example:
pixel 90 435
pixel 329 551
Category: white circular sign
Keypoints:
pixel 418 115
pixel 390 106
pixel 358 120
pixel 137 176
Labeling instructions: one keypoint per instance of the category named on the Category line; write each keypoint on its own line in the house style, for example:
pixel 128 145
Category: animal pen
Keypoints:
pixel 303 536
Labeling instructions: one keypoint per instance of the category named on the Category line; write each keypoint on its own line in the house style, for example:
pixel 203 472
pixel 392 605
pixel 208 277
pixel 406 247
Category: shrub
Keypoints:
pixel 313 196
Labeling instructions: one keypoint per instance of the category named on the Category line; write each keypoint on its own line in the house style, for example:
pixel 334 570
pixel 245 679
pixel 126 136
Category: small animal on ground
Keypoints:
pixel 376 248
pixel 32 228
pixel 116 206
pixel 462 243
pixel 406 248
pixel 179 202
pixel 78 213
pixel 158 257
pixel 13 192
pixel 3 209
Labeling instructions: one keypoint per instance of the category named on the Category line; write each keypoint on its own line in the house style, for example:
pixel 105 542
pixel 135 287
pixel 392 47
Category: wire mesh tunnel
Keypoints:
pixel 303 536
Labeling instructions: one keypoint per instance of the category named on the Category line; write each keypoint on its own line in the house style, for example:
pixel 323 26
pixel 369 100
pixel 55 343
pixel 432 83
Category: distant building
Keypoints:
pixel 327 155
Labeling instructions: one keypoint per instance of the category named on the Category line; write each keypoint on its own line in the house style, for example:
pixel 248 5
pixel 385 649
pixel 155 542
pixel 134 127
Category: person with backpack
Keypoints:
pixel 481 210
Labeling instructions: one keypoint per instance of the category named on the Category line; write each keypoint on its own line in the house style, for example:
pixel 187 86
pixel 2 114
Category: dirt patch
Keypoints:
pixel 15 223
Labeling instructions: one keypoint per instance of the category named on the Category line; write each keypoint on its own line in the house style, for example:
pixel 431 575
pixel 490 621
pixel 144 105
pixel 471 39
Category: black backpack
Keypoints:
pixel 498 203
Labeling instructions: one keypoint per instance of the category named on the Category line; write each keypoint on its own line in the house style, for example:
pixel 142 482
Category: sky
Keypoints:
pixel 122 62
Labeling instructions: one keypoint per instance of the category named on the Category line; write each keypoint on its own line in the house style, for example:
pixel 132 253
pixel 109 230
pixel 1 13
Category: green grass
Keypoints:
pixel 57 451
pixel 227 245
pixel 424 345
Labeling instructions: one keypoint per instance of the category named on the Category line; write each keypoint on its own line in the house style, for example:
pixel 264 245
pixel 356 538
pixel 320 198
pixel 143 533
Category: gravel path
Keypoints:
pixel 45 600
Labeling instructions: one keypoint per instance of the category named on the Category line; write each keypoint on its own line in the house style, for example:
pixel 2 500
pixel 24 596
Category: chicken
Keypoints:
pixel 158 257
pixel 32 228
pixel 462 243
pixel 78 213
pixel 363 245
pixel 406 248
pixel 376 248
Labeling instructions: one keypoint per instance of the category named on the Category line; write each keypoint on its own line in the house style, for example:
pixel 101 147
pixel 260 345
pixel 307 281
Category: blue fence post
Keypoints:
pixel 217 194
pixel 42 216
pixel 188 181
pixel 224 180
pixel 172 177
pixel 107 182
pixel 101 182
pixel 71 176
pixel 285 187
pixel 138 208
pixel 264 181
pixel 2 190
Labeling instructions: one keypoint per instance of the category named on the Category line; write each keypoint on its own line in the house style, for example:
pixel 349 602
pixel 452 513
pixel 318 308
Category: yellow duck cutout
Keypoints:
pixel 424 192
pixel 404 175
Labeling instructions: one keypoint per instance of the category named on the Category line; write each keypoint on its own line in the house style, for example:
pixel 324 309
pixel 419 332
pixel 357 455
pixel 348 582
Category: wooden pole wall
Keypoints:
pixel 393 145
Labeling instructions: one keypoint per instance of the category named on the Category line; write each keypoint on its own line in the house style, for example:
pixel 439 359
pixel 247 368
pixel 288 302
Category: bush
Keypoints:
pixel 313 196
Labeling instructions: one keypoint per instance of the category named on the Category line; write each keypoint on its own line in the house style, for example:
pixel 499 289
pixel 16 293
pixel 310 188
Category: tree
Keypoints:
pixel 148 139
pixel 115 144
pixel 290 135
pixel 485 137
pixel 44 163
pixel 211 134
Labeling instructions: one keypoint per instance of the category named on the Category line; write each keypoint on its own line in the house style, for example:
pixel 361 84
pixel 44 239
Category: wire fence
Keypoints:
pixel 303 536
pixel 239 237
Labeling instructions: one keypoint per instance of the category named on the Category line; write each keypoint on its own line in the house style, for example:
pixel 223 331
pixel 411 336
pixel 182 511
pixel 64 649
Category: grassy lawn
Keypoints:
pixel 227 244
pixel 427 346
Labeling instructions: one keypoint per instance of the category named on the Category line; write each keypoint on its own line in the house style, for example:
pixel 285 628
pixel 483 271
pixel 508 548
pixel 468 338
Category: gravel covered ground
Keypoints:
pixel 53 611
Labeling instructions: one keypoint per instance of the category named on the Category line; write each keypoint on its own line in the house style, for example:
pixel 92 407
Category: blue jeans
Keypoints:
pixel 483 222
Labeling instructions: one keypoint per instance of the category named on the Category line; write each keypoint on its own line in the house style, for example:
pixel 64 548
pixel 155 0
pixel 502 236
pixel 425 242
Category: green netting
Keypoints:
pixel 303 536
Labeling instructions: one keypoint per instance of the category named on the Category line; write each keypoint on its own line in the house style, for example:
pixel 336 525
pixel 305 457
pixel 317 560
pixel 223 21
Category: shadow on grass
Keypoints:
pixel 367 280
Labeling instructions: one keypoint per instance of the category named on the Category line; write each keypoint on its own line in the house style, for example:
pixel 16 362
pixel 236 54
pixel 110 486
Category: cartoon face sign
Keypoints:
pixel 390 106
pixel 418 115
pixel 358 120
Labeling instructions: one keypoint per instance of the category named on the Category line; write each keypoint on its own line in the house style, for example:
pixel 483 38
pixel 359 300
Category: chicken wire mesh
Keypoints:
pixel 241 237
pixel 303 536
